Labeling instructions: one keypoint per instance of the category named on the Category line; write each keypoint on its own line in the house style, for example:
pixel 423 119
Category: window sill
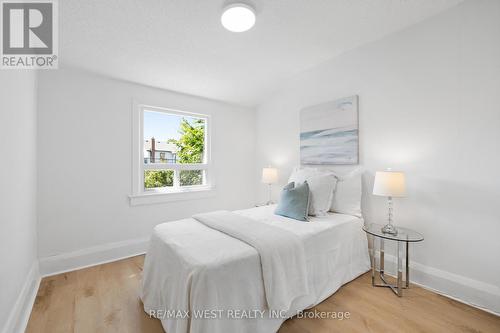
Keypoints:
pixel 162 197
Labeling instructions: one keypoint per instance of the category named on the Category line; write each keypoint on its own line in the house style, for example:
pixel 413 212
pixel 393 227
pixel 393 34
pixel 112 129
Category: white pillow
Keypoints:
pixel 300 174
pixel 347 196
pixel 321 188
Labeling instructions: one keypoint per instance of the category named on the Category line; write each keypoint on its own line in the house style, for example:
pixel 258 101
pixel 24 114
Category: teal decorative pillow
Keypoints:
pixel 294 202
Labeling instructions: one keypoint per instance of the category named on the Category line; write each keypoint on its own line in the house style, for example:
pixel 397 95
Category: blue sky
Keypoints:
pixel 162 126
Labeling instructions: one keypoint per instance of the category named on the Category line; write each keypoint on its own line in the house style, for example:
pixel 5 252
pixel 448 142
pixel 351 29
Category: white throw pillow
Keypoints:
pixel 300 174
pixel 347 196
pixel 321 188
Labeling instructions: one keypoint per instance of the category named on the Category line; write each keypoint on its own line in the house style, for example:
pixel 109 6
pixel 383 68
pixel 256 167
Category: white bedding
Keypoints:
pixel 281 252
pixel 191 267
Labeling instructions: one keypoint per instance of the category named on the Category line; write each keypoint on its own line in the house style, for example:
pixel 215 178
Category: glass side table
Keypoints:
pixel 404 236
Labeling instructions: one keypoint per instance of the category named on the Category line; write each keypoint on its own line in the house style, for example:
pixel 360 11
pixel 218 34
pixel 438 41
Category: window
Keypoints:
pixel 172 154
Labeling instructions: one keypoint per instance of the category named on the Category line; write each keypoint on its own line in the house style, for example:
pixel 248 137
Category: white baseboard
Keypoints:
pixel 92 256
pixel 20 314
pixel 465 290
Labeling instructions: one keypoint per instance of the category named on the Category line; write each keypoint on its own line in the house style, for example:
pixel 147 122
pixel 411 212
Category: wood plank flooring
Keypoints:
pixel 105 298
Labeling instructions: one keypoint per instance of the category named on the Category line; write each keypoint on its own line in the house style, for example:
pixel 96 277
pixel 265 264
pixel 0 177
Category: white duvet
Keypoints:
pixel 281 252
pixel 197 279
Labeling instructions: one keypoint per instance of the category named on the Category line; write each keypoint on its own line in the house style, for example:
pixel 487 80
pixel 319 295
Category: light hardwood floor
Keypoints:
pixel 105 298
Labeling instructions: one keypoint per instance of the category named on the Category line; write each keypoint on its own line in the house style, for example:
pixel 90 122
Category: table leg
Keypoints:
pixel 400 270
pixel 401 283
pixel 382 259
pixel 407 267
pixel 373 260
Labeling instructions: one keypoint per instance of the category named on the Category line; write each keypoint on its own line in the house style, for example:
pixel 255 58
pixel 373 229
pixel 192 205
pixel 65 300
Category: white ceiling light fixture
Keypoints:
pixel 238 17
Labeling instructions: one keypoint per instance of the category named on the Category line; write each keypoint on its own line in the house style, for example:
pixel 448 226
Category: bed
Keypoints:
pixel 199 279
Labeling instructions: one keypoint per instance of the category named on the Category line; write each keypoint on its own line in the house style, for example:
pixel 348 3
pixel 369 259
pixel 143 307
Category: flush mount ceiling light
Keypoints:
pixel 238 17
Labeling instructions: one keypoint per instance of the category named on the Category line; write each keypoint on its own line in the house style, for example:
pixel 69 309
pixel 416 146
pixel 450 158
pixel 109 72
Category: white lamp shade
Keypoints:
pixel 389 184
pixel 269 175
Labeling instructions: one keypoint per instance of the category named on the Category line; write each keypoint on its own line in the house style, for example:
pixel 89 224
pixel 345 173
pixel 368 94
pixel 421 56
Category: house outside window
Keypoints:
pixel 159 151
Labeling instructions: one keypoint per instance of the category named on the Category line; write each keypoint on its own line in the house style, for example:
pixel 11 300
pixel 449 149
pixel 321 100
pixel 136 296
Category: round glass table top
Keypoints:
pixel 404 234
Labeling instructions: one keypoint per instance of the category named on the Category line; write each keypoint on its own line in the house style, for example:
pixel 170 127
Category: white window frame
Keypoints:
pixel 158 195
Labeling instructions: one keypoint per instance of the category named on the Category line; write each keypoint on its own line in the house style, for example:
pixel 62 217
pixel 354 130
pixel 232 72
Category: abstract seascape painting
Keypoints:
pixel 329 132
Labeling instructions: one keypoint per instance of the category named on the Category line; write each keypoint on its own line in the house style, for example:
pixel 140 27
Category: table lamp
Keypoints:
pixel 389 184
pixel 269 177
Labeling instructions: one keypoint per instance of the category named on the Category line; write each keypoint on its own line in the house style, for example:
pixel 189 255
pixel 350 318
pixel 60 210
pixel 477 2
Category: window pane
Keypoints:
pixel 158 178
pixel 172 138
pixel 191 177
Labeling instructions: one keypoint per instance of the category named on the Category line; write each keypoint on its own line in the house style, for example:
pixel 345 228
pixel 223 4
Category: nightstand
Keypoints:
pixel 405 236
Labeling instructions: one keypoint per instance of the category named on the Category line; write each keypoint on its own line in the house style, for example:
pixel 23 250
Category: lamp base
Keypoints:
pixel 389 229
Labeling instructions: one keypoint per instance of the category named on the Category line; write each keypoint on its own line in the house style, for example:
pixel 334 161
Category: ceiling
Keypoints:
pixel 180 45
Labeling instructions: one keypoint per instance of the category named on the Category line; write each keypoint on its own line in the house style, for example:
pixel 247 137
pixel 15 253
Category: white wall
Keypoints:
pixel 85 165
pixel 430 106
pixel 18 259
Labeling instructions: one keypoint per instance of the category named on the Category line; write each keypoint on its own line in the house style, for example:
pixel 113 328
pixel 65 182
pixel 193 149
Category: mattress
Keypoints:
pixel 197 279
